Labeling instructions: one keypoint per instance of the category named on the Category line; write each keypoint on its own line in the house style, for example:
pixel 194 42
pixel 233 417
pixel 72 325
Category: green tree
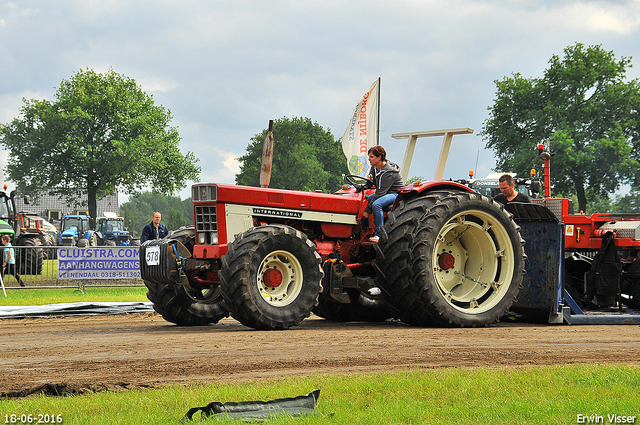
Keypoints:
pixel 305 157
pixel 176 219
pixel 138 210
pixel 102 132
pixel 415 179
pixel 629 203
pixel 586 112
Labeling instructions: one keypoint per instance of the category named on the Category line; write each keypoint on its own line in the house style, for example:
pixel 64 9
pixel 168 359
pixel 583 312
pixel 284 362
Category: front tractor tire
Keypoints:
pixel 186 305
pixel 450 258
pixel 271 277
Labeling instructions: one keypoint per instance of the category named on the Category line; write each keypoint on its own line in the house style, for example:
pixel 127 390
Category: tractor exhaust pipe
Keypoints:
pixel 267 157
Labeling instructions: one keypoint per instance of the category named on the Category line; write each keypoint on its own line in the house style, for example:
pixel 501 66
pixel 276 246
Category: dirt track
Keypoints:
pixel 126 351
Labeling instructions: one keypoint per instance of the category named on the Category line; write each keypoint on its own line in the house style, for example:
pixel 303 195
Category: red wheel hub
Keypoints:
pixel 446 261
pixel 272 278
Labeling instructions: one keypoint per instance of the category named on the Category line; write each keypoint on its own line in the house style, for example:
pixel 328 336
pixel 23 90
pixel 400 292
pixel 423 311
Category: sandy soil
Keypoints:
pixel 77 354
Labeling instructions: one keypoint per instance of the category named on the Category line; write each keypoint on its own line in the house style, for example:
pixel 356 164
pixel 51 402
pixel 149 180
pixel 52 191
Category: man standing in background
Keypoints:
pixel 508 193
pixel 155 229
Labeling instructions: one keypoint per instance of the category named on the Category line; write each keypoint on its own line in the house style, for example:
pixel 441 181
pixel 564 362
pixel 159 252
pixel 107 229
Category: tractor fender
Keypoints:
pixel 29 236
pixel 6 228
pixel 419 187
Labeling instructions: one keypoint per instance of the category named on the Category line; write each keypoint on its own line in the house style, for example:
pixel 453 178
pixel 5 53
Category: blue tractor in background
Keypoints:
pixel 76 231
pixel 110 231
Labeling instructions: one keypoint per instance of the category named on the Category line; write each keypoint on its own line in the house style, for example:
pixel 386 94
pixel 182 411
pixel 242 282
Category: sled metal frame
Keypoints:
pixel 572 314
pixel 543 292
pixel 444 150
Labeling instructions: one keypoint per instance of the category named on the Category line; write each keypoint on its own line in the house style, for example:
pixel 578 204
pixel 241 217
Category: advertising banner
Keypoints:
pixel 99 262
pixel 362 131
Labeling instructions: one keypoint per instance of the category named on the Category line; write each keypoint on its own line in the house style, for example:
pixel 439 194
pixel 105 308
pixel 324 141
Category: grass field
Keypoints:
pixel 544 395
pixel 72 295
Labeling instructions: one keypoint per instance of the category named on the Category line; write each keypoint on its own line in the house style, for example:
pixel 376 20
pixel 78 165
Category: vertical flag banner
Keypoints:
pixel 361 134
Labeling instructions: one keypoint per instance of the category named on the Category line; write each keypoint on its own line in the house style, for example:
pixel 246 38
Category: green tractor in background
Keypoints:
pixel 26 230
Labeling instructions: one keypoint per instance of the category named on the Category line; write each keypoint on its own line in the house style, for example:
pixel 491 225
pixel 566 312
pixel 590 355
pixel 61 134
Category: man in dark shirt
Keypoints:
pixel 155 229
pixel 509 193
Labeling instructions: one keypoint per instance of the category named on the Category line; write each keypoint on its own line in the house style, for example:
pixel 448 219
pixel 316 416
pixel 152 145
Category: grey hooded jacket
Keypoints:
pixel 387 180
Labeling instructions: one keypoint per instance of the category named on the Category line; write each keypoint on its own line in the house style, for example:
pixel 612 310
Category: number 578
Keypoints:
pixel 152 255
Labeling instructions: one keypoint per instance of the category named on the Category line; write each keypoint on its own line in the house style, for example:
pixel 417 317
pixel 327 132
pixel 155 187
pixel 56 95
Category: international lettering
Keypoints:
pixel 277 213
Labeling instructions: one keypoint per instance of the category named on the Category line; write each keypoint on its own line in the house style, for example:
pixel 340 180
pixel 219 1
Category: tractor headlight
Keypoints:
pixel 208 238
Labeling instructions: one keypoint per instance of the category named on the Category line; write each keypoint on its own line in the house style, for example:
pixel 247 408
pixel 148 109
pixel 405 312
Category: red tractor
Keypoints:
pixel 446 256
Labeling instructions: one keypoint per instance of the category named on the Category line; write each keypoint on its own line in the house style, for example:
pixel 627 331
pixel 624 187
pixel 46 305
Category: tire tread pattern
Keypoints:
pixel 239 277
pixel 174 304
pixel 30 261
pixel 403 274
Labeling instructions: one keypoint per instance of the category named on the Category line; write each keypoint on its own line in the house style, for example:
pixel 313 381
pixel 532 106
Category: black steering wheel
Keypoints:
pixel 355 179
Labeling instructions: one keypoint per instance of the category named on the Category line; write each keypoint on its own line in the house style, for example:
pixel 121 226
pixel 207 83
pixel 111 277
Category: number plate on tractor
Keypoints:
pixel 152 255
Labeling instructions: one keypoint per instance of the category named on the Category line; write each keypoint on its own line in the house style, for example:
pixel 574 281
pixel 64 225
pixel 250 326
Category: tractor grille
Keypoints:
pixel 205 192
pixel 68 241
pixel 206 224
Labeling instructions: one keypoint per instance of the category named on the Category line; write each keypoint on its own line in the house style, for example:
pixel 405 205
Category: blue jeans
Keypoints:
pixel 378 205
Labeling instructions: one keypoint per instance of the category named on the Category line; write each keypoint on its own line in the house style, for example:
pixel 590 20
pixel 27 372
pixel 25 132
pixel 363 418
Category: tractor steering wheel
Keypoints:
pixel 351 178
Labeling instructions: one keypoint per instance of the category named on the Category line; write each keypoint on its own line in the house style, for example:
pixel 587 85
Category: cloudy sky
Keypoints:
pixel 225 68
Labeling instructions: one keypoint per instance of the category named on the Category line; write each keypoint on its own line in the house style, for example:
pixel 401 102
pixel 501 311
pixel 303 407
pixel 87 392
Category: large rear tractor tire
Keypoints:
pixel 50 241
pixel 186 305
pixel 271 277
pixel 31 258
pixel 450 258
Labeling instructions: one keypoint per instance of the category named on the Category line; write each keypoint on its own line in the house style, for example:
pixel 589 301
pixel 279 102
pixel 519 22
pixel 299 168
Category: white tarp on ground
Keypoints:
pixel 73 309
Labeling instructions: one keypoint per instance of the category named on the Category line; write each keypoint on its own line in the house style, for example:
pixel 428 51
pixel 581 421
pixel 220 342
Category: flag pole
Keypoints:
pixel 378 129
